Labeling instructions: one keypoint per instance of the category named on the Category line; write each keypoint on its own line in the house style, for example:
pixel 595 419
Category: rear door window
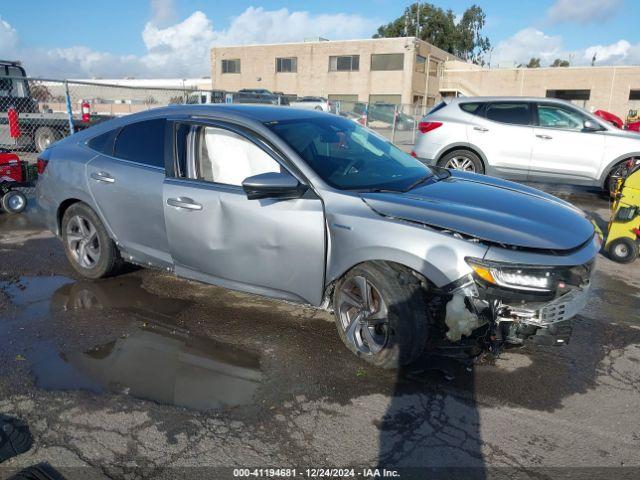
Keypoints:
pixel 513 113
pixel 142 142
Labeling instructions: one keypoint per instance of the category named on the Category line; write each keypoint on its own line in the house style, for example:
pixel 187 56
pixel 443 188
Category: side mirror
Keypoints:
pixel 273 185
pixel 591 126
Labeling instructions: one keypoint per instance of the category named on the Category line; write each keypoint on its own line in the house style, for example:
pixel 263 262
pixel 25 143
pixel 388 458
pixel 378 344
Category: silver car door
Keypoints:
pixel 562 150
pixel 505 136
pixel 127 189
pixel 217 235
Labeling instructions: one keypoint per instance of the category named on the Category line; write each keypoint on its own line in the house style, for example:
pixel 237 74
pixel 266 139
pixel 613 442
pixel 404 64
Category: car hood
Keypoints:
pixel 489 209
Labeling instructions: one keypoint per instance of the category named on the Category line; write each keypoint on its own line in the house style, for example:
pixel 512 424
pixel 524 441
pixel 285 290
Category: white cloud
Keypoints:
pixel 582 11
pixel 615 52
pixel 163 12
pixel 526 44
pixel 182 49
pixel 8 38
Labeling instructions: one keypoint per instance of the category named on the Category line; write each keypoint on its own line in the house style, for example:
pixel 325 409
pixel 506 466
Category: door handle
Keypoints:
pixel 481 129
pixel 544 137
pixel 103 177
pixel 184 202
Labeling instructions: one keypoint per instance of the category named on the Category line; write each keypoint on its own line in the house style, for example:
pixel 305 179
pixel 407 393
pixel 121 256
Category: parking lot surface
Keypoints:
pixel 148 376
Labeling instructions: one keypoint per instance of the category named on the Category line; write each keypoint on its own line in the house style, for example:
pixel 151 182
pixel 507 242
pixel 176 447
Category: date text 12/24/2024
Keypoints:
pixel 315 473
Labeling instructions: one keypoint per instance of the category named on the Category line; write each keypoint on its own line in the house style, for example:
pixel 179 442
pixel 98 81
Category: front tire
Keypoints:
pixel 464 160
pixel 623 250
pixel 14 202
pixel 381 315
pixel 87 244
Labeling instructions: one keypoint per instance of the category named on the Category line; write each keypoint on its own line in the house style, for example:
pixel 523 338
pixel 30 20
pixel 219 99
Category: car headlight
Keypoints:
pixel 537 279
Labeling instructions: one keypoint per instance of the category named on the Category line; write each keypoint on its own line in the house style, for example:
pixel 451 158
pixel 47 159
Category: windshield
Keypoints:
pixel 348 156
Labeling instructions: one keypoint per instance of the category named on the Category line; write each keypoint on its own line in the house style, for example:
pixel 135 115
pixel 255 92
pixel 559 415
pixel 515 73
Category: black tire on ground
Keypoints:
pixel 404 296
pixel 109 261
pixel 45 136
pixel 14 202
pixel 623 250
pixel 469 159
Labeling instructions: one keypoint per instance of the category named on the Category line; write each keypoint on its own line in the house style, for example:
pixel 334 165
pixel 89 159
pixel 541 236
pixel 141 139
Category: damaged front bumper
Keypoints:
pixel 513 314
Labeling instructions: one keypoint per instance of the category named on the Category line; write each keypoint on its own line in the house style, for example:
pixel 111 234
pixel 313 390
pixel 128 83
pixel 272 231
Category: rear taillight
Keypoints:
pixel 414 154
pixel 425 127
pixel 42 165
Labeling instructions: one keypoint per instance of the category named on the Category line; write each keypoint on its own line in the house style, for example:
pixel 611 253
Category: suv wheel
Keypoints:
pixel 87 244
pixel 464 160
pixel 615 174
pixel 45 136
pixel 381 315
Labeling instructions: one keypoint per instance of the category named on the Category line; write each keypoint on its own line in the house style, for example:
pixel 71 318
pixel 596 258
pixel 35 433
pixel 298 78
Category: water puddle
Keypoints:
pixel 155 360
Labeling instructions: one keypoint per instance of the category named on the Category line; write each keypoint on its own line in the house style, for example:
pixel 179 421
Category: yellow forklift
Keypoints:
pixel 624 226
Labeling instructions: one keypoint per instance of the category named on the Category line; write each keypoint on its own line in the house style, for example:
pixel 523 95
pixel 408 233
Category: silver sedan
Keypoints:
pixel 311 207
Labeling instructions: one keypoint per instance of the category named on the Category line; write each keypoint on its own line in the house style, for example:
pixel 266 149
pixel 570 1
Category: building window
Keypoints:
pixel 385 99
pixel 634 95
pixel 387 61
pixel 434 68
pixel 344 63
pixel 569 94
pixel 421 63
pixel 287 65
pixel 231 66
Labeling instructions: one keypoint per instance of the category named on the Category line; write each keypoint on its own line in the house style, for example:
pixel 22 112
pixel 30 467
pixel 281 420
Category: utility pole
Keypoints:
pixel 417 19
pixel 406 22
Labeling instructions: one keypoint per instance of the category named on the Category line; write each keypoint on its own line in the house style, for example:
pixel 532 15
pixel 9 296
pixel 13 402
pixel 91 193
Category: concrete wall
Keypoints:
pixel 313 76
pixel 609 86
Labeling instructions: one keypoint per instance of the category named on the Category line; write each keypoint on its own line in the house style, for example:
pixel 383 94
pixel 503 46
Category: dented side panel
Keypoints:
pixel 270 247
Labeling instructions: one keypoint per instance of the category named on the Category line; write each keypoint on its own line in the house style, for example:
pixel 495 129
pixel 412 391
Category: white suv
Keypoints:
pixel 519 138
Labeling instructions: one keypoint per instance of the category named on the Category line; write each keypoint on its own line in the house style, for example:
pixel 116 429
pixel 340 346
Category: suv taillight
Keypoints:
pixel 425 127
pixel 42 165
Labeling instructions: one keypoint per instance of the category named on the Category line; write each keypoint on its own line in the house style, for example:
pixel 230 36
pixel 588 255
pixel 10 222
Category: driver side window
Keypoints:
pixel 222 156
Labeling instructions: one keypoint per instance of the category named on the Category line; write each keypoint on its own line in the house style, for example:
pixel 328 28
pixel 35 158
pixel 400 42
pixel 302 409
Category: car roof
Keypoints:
pixel 506 99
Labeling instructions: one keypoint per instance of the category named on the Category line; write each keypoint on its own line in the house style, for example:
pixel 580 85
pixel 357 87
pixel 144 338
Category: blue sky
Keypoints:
pixel 171 37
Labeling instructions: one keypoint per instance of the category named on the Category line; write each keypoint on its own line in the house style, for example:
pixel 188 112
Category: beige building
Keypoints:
pixel 411 71
pixel 395 70
pixel 614 89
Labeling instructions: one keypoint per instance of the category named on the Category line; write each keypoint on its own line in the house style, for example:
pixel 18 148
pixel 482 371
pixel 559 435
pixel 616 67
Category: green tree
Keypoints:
pixel 534 63
pixel 439 27
pixel 560 63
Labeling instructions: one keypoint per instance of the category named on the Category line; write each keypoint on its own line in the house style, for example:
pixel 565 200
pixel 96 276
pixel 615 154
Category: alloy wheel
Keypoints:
pixel 461 163
pixel 363 315
pixel 83 241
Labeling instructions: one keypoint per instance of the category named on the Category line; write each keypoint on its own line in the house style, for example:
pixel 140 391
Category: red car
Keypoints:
pixel 635 126
pixel 609 117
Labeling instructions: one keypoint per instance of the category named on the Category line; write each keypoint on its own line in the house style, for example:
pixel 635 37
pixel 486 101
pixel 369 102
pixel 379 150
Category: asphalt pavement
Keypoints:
pixel 145 375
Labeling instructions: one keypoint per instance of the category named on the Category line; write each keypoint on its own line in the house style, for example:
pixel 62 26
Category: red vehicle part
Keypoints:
pixel 609 117
pixel 635 126
pixel 14 126
pixel 11 168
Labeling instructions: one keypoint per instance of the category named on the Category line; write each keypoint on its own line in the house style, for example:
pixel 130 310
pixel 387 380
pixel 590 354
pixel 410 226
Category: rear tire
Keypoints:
pixel 14 202
pixel 45 136
pixel 464 160
pixel 89 249
pixel 623 250
pixel 389 330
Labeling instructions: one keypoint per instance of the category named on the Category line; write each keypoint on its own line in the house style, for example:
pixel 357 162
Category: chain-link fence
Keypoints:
pixel 396 122
pixel 36 112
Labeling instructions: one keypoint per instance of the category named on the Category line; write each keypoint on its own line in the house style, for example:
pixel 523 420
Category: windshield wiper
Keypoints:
pixel 420 181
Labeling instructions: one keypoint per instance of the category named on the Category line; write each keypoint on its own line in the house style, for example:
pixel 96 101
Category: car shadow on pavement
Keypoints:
pixel 427 432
